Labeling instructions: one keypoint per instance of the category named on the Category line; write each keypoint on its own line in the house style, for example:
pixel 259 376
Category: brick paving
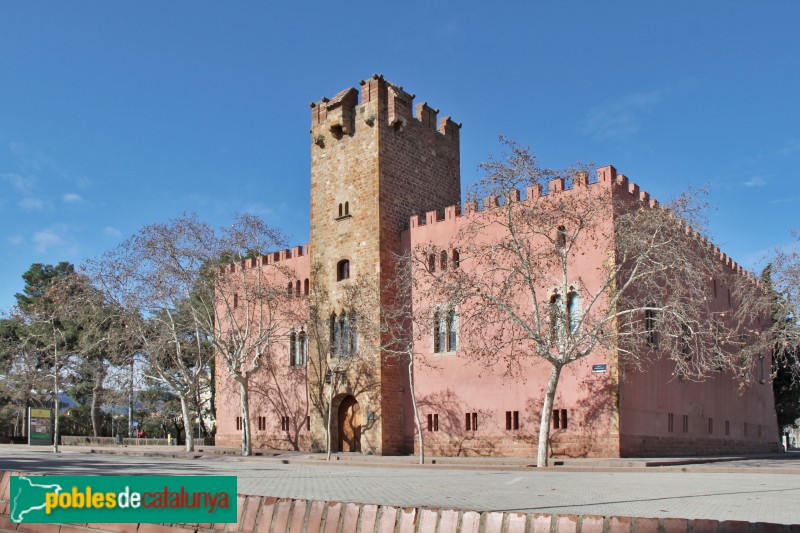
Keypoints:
pixel 748 490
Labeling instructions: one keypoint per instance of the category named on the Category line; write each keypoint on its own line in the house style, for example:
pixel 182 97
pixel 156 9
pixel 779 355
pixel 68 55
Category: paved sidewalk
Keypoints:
pixel 749 493
pixel 779 463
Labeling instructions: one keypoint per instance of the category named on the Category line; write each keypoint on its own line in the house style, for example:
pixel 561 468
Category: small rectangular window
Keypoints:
pixel 727 428
pixel 670 422
pixel 436 422
pixel 685 423
pixel 516 419
pixel 430 422
pixel 556 419
pixel 474 421
pixel 563 419
pixel 308 423
pixel 508 420
pixel 469 422
pixel 238 423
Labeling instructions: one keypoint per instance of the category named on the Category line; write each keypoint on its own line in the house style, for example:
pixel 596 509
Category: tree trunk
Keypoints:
pixel 416 409
pixel 55 400
pixel 95 407
pixel 330 414
pixel 547 412
pixel 187 423
pixel 247 446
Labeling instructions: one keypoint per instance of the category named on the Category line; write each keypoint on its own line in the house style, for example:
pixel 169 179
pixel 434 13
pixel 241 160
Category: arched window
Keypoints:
pixel 650 327
pixel 306 287
pixel 456 259
pixel 302 341
pixel 437 328
pixel 443 260
pixel 335 335
pixel 556 316
pixel 445 331
pixel 573 310
pixel 346 208
pixel 353 333
pixel 452 328
pixel 292 349
pixel 340 211
pixel 561 238
pixel 344 349
pixel 432 263
pixel 235 301
pixel 686 346
pixel 297 288
pixel 290 289
pixel 342 270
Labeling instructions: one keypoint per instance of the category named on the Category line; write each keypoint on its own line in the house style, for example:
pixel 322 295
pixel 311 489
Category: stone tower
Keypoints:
pixel 374 163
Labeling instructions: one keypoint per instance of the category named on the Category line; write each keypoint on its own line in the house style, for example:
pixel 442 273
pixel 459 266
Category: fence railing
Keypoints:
pixel 74 440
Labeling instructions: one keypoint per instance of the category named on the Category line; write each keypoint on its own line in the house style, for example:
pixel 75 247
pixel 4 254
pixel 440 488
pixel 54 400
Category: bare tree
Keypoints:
pixel 402 328
pixel 588 268
pixel 776 297
pixel 160 277
pixel 254 311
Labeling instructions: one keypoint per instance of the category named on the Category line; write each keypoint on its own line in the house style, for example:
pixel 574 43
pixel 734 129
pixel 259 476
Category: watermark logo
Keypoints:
pixel 123 499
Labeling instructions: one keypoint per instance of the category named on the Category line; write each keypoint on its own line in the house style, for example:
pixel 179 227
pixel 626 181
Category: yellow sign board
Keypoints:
pixel 40 413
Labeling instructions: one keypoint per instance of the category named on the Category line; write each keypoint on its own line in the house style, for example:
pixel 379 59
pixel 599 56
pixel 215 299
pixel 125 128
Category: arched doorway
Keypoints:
pixel 349 425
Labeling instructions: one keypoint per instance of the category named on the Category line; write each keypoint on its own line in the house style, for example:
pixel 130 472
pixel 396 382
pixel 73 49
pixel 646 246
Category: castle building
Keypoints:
pixel 377 163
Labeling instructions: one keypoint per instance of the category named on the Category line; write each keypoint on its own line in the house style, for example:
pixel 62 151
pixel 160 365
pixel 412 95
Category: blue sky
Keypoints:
pixel 118 114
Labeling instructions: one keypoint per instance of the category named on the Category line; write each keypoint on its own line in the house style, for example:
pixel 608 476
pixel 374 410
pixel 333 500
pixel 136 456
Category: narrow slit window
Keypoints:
pixel 443 260
pixel 556 419
pixel 341 212
pixel 432 263
pixel 306 287
pixel 670 422
pixel 346 208
pixel 297 288
pixel 456 259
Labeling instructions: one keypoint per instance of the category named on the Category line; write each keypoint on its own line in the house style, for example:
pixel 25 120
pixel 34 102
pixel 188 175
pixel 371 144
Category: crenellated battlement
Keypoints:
pixel 607 176
pixel 382 103
pixel 270 258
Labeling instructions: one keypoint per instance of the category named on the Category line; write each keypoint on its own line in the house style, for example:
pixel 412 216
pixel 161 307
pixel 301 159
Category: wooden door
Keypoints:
pixel 349 425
